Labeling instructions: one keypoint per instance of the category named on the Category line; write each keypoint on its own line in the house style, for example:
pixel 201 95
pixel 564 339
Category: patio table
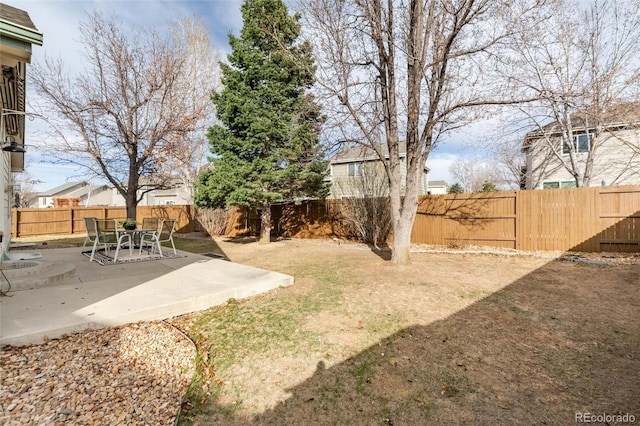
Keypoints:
pixel 132 236
pixel 135 233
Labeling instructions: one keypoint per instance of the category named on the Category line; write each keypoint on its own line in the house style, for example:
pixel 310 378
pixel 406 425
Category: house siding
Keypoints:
pixel 617 162
pixel 5 201
pixel 343 185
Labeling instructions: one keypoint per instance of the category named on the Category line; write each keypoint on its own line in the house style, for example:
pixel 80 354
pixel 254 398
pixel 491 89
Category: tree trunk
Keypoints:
pixel 403 220
pixel 401 244
pixel 265 224
pixel 132 204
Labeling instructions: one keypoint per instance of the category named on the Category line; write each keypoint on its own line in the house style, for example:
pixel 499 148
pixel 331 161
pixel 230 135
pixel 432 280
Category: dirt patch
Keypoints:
pixel 459 338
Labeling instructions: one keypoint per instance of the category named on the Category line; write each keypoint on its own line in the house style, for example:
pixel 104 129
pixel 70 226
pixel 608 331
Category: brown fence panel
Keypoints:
pixel 79 213
pixel 559 219
pixel 619 219
pixel 577 219
pixel 478 219
pixel 310 219
pixel 32 222
pixel 184 215
pixel 43 221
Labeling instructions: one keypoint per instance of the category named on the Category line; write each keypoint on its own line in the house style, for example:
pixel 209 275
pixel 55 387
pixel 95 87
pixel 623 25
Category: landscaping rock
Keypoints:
pixel 108 376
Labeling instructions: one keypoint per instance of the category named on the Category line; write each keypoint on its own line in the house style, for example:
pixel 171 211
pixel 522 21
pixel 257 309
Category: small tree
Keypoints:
pixel 266 149
pixel 367 212
pixel 473 173
pixel 24 191
pixel 214 221
pixel 489 187
pixel 456 188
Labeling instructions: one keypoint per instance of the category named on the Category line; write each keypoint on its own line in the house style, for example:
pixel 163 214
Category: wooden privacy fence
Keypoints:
pixel 30 222
pixel 578 219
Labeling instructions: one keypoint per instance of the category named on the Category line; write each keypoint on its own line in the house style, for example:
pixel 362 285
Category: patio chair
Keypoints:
pixel 153 239
pixel 150 223
pixel 90 228
pixel 108 236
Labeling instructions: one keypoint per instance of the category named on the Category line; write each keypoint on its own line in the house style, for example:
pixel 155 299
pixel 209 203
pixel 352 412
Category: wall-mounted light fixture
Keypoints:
pixel 12 146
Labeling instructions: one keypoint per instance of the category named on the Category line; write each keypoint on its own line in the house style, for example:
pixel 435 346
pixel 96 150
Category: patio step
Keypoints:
pixel 30 274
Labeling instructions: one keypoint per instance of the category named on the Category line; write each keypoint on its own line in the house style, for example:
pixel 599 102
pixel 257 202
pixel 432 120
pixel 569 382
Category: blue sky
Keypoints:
pixel 59 20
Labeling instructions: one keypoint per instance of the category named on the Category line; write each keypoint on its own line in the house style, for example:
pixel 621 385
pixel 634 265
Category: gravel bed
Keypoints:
pixel 601 258
pixel 135 374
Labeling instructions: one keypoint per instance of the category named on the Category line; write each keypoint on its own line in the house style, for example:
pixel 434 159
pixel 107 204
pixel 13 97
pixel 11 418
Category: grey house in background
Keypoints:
pixel 74 193
pixel 617 154
pixel 357 171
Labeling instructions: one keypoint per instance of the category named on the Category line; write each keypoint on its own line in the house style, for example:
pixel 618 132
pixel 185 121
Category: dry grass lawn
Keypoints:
pixel 449 339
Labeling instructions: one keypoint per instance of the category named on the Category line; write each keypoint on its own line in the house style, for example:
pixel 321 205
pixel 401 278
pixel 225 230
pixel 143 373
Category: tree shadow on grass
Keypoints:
pixel 196 245
pixel 562 340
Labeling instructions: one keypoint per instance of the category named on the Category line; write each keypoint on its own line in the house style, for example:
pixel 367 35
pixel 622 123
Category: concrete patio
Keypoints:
pixel 96 296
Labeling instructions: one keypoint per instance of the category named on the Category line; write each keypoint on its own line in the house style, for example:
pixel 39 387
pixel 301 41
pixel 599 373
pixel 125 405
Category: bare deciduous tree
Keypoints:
pixel 472 173
pixel 24 191
pixel 117 117
pixel 582 64
pixel 412 71
pixel 186 153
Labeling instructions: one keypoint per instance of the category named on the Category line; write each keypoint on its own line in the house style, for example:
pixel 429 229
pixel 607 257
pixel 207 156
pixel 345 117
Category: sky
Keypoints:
pixel 59 21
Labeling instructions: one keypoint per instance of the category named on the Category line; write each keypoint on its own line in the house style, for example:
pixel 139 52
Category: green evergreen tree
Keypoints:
pixel 266 149
pixel 489 187
pixel 456 188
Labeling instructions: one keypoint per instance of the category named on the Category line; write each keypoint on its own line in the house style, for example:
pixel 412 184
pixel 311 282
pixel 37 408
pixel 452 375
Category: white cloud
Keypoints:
pixel 438 164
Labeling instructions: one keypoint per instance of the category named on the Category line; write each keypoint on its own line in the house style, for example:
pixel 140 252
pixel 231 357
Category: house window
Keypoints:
pixel 562 184
pixel 581 143
pixel 355 169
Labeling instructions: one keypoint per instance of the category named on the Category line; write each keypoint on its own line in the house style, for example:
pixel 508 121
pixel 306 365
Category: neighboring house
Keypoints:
pixel 616 160
pixel 437 187
pixel 17 36
pixel 176 194
pixel 48 198
pixel 82 194
pixel 357 171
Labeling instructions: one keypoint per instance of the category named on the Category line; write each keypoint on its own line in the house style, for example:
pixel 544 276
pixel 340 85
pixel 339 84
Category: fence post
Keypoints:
pixel 517 222
pixel 14 223
pixel 596 224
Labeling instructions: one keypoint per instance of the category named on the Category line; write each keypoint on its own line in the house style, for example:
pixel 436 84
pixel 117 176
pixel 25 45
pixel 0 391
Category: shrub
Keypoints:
pixel 365 206
pixel 369 218
pixel 214 221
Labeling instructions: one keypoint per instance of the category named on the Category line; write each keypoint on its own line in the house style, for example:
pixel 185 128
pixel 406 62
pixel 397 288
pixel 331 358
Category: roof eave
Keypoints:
pixel 21 33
